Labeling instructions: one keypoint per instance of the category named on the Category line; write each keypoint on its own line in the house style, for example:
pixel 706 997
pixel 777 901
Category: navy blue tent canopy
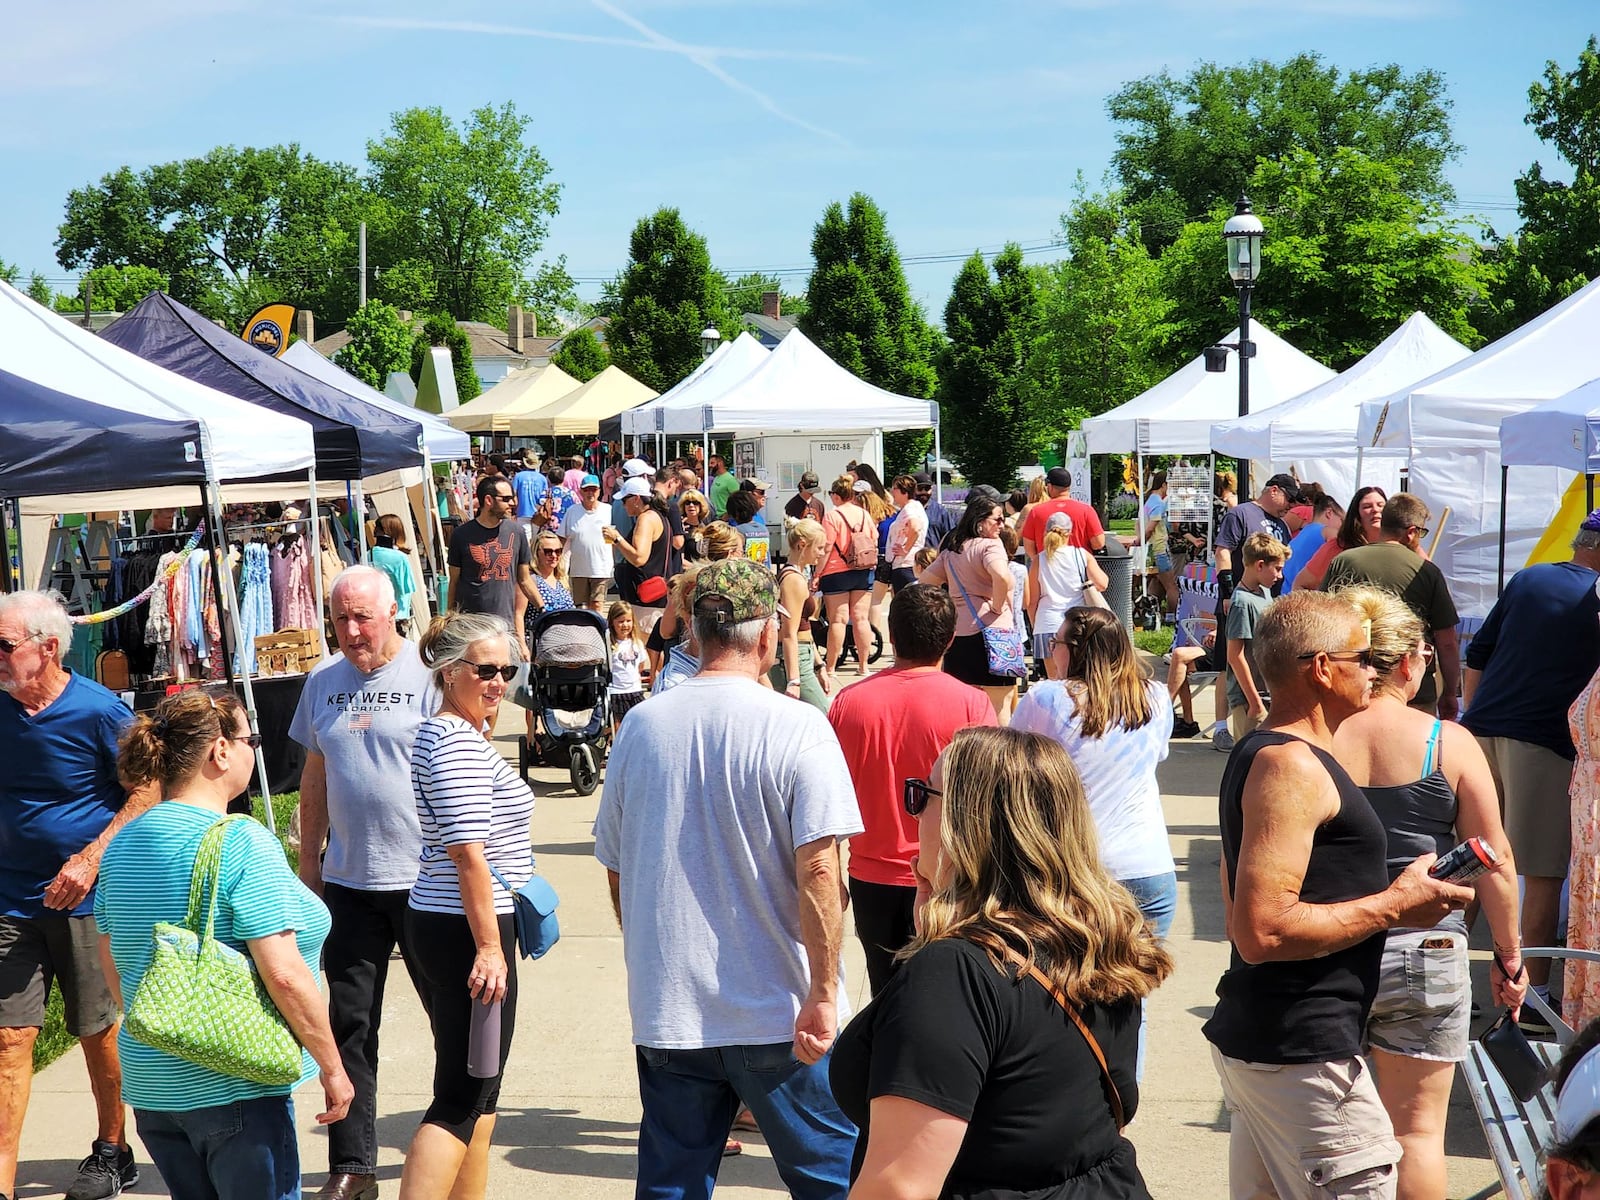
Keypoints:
pixel 353 439
pixel 57 443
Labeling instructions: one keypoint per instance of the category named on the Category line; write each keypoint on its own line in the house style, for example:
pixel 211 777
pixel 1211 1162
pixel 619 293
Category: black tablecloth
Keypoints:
pixel 276 698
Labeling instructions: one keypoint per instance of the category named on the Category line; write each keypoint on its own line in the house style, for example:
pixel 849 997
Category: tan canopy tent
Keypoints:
pixel 611 392
pixel 518 394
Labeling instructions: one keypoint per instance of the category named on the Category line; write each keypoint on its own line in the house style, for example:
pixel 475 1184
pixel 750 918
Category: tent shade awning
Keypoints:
pixel 1176 415
pixel 243 442
pixel 55 442
pixel 730 363
pixel 519 394
pixel 581 410
pixel 1564 432
pixel 353 439
pixel 445 443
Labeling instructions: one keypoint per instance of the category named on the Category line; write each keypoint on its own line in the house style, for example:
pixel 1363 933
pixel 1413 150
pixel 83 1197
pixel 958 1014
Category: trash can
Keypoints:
pixel 1117 563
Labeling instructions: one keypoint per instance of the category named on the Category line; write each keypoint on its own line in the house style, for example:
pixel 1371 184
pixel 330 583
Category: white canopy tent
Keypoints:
pixel 1176 415
pixel 1448 429
pixel 1564 432
pixel 727 366
pixel 1313 435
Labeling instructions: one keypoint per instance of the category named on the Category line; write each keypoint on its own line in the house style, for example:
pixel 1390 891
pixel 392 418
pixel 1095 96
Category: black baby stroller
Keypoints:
pixel 567 690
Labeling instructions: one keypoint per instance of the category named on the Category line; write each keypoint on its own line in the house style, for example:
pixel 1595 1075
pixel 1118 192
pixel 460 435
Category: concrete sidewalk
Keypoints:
pixel 570 1110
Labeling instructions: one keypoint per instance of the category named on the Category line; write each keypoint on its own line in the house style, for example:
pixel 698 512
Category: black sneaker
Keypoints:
pixel 108 1169
pixel 1185 729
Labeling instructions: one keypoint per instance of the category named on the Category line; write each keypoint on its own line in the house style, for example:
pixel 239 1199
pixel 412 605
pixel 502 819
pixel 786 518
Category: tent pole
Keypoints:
pixel 436 524
pixel 360 512
pixel 1138 508
pixel 315 551
pixel 229 620
pixel 1588 493
pixel 1500 582
pixel 938 475
pixel 6 582
pixel 1359 451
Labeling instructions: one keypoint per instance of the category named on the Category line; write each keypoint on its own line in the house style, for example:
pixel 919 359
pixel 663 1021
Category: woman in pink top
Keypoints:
pixel 973 566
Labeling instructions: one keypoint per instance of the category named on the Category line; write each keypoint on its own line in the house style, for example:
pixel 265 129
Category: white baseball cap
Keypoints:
pixel 635 467
pixel 633 487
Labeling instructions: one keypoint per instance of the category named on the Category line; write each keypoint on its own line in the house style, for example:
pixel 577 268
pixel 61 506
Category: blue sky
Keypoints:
pixel 967 122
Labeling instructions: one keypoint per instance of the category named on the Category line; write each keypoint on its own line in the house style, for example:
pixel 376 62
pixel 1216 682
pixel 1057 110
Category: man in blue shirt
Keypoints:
pixel 531 487
pixel 1538 648
pixel 60 805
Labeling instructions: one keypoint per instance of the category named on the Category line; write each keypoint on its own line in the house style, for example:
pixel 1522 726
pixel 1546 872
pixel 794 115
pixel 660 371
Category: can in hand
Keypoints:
pixel 1472 858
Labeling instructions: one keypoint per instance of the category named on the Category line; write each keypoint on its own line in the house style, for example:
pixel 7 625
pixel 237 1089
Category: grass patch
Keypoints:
pixel 54 1040
pixel 1154 641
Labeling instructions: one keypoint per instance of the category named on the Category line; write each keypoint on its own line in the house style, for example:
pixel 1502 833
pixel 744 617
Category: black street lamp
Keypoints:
pixel 1242 232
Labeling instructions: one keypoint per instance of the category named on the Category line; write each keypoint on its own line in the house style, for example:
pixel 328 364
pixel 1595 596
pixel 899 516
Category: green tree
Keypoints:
pixel 582 355
pixel 745 293
pixel 39 290
pixel 860 312
pixel 990 419
pixel 463 209
pixel 113 289
pixel 1348 256
pixel 1558 249
pixel 227 229
pixel 666 295
pixel 439 330
pixel 380 344
pixel 10 272
pixel 1103 318
pixel 1184 145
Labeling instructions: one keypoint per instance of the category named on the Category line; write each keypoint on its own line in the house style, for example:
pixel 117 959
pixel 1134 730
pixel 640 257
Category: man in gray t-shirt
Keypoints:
pixel 357 718
pixel 719 827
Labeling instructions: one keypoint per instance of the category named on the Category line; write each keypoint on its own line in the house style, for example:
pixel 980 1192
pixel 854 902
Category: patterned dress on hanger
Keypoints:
pixel 1580 991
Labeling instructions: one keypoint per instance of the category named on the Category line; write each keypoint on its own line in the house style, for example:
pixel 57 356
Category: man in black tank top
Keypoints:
pixel 1307 901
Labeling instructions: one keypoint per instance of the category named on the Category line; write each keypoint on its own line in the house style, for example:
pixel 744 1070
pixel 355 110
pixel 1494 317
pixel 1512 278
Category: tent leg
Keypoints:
pixel 314 549
pixel 7 584
pixel 229 620
pixel 1500 580
pixel 359 510
pixel 938 475
pixel 1359 463
pixel 441 572
pixel 1138 507
pixel 1588 493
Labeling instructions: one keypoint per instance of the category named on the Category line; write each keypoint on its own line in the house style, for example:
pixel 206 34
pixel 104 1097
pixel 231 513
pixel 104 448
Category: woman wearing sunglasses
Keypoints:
pixel 1430 785
pixel 474 811
pixel 968 1047
pixel 208 1133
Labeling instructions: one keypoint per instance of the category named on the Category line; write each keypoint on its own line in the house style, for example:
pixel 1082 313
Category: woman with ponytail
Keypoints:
pixel 210 1134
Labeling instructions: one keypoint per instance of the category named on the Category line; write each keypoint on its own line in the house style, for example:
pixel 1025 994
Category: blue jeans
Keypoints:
pixel 690 1098
pixel 1157 898
pixel 246 1150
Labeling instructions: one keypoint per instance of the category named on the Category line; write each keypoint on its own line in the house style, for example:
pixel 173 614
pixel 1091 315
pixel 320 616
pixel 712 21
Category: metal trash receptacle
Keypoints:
pixel 1117 563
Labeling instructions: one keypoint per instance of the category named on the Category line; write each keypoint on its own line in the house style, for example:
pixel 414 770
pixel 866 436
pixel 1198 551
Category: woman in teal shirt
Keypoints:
pixel 209 1134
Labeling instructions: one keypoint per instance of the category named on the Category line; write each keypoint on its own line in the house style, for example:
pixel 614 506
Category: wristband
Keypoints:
pixel 1224 584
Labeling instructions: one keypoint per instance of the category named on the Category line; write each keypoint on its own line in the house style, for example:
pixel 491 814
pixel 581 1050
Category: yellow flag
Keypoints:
pixel 1556 544
pixel 268 330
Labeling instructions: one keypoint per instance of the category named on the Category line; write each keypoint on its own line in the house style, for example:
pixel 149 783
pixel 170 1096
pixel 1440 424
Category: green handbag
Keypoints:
pixel 203 1001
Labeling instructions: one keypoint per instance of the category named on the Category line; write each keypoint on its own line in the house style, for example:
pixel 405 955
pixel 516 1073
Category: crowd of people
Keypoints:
pixel 1009 875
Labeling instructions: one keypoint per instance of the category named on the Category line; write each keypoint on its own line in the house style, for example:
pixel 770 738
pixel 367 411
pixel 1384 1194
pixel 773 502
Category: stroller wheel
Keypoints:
pixel 524 757
pixel 877 646
pixel 581 767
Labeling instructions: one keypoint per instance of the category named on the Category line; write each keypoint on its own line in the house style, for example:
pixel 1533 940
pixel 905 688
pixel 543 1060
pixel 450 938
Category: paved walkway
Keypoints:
pixel 569 1109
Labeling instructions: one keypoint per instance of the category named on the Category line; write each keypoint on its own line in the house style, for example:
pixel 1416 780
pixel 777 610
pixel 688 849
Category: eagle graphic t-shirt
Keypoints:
pixel 489 561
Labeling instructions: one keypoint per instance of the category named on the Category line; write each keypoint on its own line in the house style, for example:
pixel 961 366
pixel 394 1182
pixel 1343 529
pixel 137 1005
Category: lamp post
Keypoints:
pixel 710 336
pixel 1243 232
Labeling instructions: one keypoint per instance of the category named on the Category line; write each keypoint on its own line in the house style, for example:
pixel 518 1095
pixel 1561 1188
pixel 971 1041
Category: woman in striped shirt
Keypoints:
pixel 474 811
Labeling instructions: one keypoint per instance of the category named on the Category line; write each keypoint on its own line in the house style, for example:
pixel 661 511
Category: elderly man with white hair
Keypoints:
pixel 357 719
pixel 60 805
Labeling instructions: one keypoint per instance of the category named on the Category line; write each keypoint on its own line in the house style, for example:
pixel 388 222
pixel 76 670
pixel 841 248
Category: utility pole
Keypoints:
pixel 363 264
pixel 88 302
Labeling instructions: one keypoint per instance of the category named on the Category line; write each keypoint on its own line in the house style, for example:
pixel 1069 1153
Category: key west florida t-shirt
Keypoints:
pixel 364 727
pixel 144 878
pixel 58 789
pixel 710 906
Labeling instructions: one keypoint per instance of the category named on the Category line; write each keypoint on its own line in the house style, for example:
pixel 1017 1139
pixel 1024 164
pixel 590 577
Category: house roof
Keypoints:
pixel 484 340
pixel 776 328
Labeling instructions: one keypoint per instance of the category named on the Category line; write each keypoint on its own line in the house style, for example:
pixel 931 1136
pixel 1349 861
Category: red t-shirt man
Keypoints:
pixel 892 726
pixel 1087 532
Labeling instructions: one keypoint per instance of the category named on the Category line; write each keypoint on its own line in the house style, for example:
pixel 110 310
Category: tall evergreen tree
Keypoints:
pixel 860 312
pixel 581 355
pixel 667 294
pixel 991 423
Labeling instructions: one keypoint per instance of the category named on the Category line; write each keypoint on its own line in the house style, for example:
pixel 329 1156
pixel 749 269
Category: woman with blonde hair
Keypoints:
pixel 210 1133
pixel 695 510
pixel 1430 785
pixel 968 1047
pixel 1066 572
pixel 795 671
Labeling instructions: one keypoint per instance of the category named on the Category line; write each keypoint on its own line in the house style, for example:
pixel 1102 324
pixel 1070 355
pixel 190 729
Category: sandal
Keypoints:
pixel 732 1149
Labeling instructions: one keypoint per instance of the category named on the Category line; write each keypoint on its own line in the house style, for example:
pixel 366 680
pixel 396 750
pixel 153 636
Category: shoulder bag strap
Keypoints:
pixel 951 571
pixel 205 879
pixel 1038 977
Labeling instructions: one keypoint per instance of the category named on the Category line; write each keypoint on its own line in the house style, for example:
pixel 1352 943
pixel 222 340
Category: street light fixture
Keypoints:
pixel 709 338
pixel 1243 232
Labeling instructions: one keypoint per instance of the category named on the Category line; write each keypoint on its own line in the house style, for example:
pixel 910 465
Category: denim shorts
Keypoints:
pixel 1163 562
pixel 1424 1001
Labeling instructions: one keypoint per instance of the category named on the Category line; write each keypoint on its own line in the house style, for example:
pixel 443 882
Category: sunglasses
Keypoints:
pixel 1420 530
pixel 7 646
pixel 916 796
pixel 1361 657
pixel 487 671
pixel 253 740
pixel 554 551
pixel 504 498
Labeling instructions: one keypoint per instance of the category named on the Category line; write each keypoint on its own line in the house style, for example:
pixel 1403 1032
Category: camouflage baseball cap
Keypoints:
pixel 733 590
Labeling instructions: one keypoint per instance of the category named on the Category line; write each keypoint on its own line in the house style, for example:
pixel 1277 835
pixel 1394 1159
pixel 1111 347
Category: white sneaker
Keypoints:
pixel 1221 740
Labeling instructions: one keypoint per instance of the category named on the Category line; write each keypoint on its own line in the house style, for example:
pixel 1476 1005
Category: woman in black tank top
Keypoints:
pixel 1430 785
pixel 797 672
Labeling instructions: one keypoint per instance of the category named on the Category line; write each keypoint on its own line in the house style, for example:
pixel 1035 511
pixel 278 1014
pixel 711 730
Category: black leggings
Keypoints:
pixel 884 925
pixel 444 950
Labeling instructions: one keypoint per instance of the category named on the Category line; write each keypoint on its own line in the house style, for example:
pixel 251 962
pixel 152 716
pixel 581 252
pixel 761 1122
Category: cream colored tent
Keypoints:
pixel 518 394
pixel 611 392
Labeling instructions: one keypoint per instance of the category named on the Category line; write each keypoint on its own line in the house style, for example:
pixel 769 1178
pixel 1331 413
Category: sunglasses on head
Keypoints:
pixel 916 796
pixel 7 646
pixel 487 671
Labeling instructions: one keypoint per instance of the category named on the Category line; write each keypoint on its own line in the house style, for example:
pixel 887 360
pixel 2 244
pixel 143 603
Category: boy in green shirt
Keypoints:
pixel 1264 556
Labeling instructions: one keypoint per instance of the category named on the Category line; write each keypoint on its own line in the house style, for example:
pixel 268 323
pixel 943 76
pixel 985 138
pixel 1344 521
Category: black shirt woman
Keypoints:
pixel 969 1075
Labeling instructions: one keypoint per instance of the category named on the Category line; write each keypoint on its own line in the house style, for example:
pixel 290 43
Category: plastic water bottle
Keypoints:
pixel 483 1040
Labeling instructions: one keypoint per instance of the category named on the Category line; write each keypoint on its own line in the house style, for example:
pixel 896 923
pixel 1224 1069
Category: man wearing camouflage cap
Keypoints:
pixel 732 924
